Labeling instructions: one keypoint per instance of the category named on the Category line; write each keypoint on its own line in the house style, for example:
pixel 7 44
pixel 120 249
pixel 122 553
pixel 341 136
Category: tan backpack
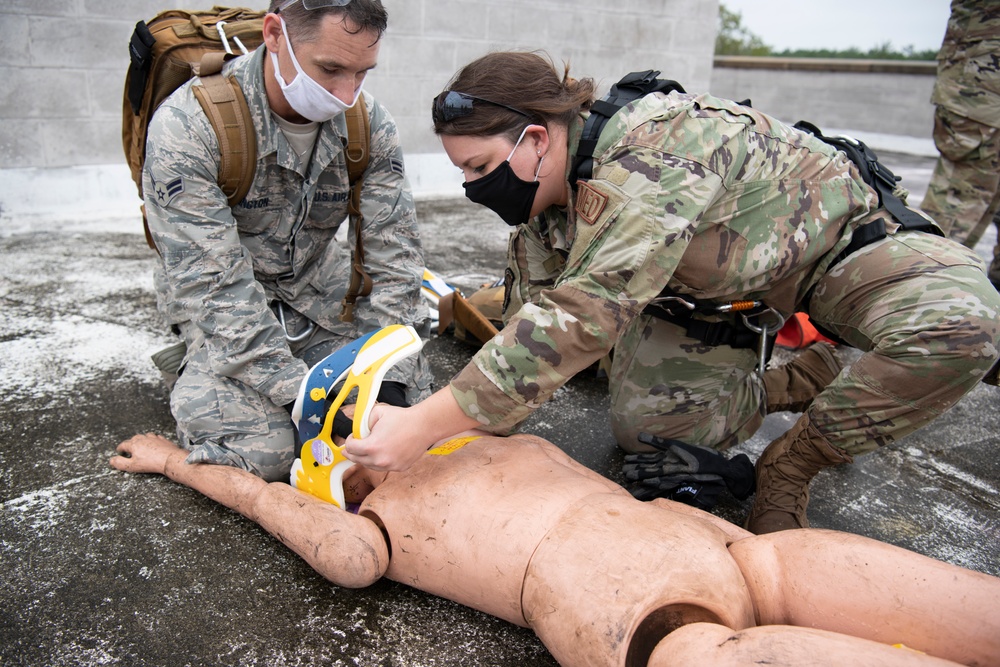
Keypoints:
pixel 177 45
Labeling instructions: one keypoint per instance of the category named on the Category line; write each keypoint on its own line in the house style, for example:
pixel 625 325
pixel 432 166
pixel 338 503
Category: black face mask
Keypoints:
pixel 504 193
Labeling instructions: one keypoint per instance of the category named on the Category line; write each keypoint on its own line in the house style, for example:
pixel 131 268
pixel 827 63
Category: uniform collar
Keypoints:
pixel 249 72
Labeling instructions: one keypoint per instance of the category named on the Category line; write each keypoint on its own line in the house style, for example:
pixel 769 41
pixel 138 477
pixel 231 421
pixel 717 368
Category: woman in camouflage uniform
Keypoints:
pixel 717 202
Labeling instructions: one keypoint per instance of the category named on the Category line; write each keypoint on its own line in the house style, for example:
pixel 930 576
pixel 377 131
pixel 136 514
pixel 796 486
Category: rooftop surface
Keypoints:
pixel 106 568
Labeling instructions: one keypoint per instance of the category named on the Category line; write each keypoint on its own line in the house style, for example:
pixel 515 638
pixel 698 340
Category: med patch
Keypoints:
pixel 590 203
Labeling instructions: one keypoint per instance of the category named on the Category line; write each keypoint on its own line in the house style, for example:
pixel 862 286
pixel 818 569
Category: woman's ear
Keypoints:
pixel 537 137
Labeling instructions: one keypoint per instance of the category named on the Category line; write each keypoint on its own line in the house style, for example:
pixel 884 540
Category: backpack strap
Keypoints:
pixel 356 154
pixel 226 108
pixel 630 88
pixel 225 105
pixel 876 175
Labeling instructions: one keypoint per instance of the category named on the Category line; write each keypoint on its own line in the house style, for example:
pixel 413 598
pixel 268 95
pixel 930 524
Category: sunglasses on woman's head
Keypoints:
pixel 452 104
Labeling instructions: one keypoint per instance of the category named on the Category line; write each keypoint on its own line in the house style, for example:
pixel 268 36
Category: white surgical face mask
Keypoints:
pixel 309 99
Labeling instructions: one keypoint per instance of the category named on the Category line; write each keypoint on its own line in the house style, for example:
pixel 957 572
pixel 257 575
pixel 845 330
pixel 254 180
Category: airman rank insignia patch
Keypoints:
pixel 590 203
pixel 165 192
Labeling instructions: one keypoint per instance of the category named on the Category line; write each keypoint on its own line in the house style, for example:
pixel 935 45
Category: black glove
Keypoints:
pixel 391 393
pixel 687 473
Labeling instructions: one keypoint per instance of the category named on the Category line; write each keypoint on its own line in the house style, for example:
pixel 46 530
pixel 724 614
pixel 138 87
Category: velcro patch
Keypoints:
pixel 165 192
pixel 590 203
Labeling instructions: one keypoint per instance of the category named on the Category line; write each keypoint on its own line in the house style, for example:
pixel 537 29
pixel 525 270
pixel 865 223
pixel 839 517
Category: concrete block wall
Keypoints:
pixel 64 62
pixel 887 98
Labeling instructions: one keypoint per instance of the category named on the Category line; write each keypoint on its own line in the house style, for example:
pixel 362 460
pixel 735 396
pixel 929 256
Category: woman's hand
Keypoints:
pixel 395 442
pixel 400 436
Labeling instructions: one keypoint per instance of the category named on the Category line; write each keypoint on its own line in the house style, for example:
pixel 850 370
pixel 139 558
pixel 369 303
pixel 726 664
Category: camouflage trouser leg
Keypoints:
pixel 223 421
pixel 964 191
pixel 928 322
pixel 667 384
pixel 994 271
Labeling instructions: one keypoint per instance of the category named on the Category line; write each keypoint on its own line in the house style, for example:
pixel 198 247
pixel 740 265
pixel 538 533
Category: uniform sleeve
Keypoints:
pixel 531 268
pixel 393 254
pixel 633 223
pixel 208 274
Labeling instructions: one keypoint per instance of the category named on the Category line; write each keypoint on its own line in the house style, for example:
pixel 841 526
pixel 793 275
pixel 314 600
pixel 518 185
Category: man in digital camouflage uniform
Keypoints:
pixel 964 192
pixel 256 289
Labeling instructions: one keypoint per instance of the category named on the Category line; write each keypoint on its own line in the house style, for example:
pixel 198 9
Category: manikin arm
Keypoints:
pixel 346 549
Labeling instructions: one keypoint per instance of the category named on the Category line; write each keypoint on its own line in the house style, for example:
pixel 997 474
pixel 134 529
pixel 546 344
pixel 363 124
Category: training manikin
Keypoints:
pixel 515 528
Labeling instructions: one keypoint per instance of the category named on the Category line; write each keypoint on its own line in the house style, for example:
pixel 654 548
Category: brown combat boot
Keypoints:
pixel 792 387
pixel 784 471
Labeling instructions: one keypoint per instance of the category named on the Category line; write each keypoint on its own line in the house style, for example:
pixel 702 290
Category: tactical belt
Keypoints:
pixel 672 307
pixel 709 333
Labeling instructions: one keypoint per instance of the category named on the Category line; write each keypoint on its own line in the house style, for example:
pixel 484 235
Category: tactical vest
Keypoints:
pixel 679 309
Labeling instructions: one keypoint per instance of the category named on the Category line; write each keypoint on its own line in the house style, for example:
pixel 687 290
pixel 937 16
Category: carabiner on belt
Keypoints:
pixel 302 335
pixel 768 321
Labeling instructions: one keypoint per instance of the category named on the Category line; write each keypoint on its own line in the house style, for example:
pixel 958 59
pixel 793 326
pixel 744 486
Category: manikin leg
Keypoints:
pixel 860 587
pixel 780 646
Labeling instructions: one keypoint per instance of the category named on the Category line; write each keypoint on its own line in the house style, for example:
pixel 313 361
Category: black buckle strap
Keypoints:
pixel 879 177
pixel 864 235
pixel 140 49
pixel 631 87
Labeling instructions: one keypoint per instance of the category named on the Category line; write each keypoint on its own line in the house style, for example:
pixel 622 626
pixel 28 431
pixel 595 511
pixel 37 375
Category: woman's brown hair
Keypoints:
pixel 525 81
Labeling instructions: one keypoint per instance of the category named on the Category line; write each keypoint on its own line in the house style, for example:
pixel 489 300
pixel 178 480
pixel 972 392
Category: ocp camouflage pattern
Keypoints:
pixel 710 198
pixel 964 191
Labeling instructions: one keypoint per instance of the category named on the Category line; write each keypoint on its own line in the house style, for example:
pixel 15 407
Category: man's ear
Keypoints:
pixel 272 32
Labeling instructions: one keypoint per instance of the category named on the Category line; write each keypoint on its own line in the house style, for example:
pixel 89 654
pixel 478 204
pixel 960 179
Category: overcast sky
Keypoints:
pixel 841 24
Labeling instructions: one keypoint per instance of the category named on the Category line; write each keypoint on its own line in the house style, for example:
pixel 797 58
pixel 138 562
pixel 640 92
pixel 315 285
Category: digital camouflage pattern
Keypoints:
pixel 717 201
pixel 964 191
pixel 222 267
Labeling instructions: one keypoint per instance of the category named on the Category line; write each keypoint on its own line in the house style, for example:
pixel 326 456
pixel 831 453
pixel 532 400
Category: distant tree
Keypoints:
pixel 734 39
pixel 884 51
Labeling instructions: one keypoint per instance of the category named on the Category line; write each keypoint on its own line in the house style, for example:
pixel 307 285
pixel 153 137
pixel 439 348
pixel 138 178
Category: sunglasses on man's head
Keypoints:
pixel 316 4
pixel 452 104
